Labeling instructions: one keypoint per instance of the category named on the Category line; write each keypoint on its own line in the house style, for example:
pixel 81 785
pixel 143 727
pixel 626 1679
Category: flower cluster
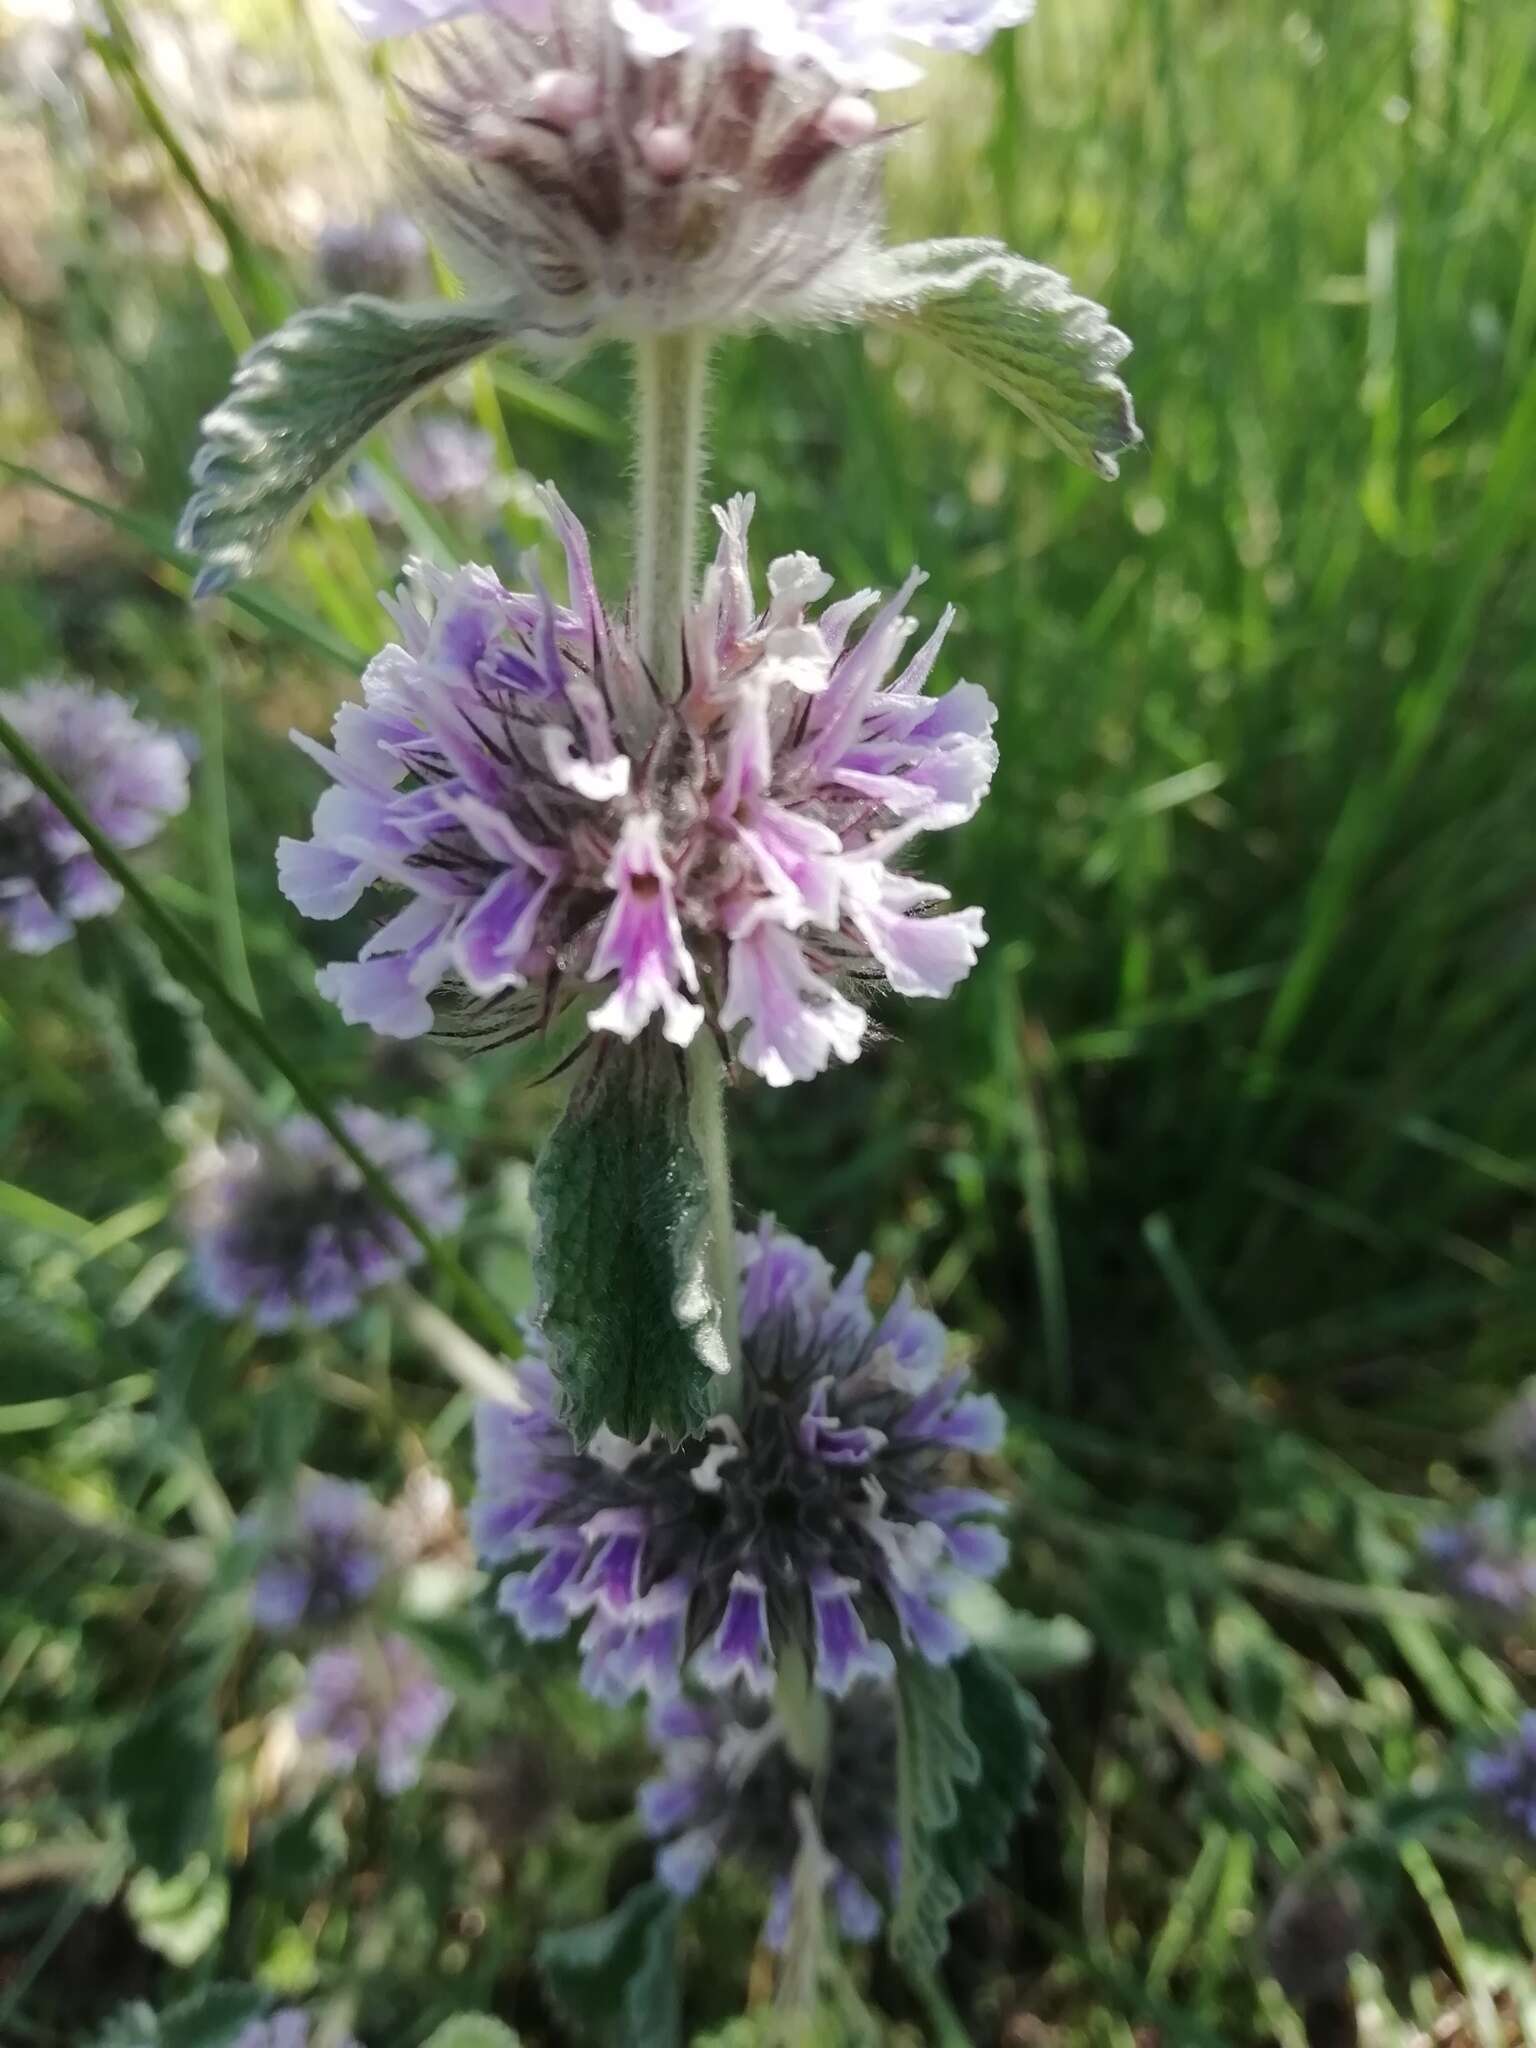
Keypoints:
pixel 321 1559
pixel 730 1790
pixel 644 165
pixel 1482 1559
pixel 1506 1778
pixel 827 1517
pixel 552 819
pixel 383 254
pixel 443 459
pixel 286 1231
pixel 288 2027
pixel 126 775
pixel 377 1698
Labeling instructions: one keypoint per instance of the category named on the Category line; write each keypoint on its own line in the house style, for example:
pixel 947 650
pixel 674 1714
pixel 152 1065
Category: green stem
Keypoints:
pixel 671 374
pixel 218 851
pixel 185 956
pixel 803 1714
pixel 670 377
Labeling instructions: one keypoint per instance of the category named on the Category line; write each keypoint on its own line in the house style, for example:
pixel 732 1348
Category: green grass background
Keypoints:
pixel 1225 1155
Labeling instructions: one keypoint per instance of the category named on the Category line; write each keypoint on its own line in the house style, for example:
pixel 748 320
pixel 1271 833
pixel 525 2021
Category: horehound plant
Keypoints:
pixel 692 814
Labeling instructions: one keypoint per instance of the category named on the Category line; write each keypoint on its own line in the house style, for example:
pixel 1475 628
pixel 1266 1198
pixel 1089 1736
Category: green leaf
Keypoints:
pixel 1024 331
pixel 1031 1646
pixel 621 1203
pixel 472 2030
pixel 970 1747
pixel 165 1772
pixel 211 2018
pixel 934 1757
pixel 183 1916
pixel 617 1978
pixel 160 1022
pixel 301 401
pixel 44 1350
pixel 1007 1731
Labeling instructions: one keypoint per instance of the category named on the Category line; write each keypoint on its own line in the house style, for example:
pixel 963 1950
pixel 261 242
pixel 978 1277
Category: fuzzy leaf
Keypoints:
pixel 472 2030
pixel 183 1916
pixel 165 1771
pixel 1007 1731
pixel 1024 331
pixel 619 1194
pixel 934 1757
pixel 301 401
pixel 617 1978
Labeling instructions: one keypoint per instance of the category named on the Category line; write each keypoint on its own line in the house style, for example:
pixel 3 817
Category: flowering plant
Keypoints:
pixel 762 1493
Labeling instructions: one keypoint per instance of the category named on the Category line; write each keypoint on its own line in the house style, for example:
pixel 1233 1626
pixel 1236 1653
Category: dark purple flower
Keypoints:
pixel 444 460
pixel 730 1791
pixel 1482 1559
pixel 383 254
pixel 825 1518
pixel 288 2027
pixel 551 820
pixel 377 1699
pixel 322 1556
pixel 1506 1777
pixel 286 1232
pixel 128 777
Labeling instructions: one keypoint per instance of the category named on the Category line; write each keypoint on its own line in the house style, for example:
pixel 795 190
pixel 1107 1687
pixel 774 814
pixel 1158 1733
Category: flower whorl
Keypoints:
pixel 825 1518
pixel 552 819
pixel 128 777
pixel 286 1230
pixel 729 1790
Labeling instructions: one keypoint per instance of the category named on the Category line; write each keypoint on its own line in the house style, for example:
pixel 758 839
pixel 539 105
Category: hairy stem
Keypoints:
pixel 670 376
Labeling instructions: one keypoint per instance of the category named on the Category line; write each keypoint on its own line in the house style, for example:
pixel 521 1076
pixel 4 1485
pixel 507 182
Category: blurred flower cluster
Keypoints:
pixel 328 1569
pixel 126 775
pixel 285 1230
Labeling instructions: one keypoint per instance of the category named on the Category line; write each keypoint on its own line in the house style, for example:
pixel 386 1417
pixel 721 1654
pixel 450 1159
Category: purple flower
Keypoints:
pixel 288 2027
pixel 1483 1560
pixel 127 775
pixel 849 41
pixel 321 1559
pixel 730 1790
pixel 383 254
pixel 286 1232
pixel 826 1517
pixel 378 1699
pixel 551 820
pixel 443 459
pixel 1506 1777
pixel 633 169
